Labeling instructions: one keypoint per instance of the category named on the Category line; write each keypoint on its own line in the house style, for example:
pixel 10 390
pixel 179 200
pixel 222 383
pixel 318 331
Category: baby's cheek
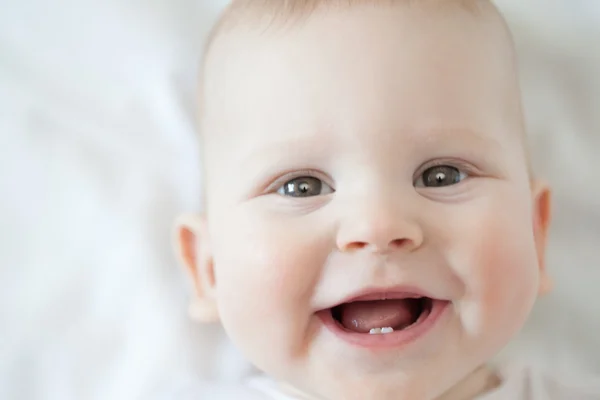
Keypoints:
pixel 500 276
pixel 266 271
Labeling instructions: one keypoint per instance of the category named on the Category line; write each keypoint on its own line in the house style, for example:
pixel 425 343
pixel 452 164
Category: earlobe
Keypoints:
pixel 193 248
pixel 542 216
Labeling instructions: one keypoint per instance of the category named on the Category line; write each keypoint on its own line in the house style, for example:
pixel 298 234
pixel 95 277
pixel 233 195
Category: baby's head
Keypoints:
pixel 365 168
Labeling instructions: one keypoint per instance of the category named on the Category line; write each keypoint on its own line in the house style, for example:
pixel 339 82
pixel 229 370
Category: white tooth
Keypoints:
pixel 387 330
pixel 375 331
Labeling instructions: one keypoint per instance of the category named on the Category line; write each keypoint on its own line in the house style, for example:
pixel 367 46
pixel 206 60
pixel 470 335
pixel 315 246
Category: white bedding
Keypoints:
pixel 97 156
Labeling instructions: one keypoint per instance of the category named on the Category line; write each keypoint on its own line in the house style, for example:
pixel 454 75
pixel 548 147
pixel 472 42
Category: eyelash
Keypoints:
pixel 469 169
pixel 280 181
pixel 462 166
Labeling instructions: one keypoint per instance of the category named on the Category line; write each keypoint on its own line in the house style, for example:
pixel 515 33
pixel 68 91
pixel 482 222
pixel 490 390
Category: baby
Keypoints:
pixel 372 228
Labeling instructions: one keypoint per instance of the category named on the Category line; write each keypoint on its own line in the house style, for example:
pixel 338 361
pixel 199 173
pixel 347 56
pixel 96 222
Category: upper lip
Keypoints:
pixel 385 293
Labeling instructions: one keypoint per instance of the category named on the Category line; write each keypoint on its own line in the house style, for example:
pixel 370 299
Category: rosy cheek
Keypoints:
pixel 280 261
pixel 507 276
pixel 266 271
pixel 497 264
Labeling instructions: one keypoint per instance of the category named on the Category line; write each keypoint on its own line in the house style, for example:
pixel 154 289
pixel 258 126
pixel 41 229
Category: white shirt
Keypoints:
pixel 518 383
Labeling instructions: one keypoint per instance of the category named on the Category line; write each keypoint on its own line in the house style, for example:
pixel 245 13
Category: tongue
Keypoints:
pixel 362 316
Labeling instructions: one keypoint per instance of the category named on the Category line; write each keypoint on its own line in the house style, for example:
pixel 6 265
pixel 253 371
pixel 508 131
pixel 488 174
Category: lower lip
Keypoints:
pixel 422 326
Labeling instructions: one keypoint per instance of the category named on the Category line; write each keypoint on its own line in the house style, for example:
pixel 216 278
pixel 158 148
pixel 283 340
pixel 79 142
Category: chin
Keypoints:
pixel 346 381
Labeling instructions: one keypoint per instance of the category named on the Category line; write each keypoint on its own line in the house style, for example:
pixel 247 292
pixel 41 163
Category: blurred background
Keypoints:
pixel 98 155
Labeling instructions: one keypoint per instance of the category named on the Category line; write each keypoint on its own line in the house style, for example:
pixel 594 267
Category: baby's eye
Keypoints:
pixel 305 186
pixel 440 175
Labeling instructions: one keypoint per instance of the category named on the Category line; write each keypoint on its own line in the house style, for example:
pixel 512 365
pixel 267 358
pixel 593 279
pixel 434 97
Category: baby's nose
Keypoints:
pixel 379 230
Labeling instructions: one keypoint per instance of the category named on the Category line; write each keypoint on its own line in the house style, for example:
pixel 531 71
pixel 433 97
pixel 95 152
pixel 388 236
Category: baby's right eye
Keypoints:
pixel 305 186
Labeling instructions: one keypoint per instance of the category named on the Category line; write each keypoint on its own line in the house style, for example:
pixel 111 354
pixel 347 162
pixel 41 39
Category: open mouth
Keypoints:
pixel 383 321
pixel 381 316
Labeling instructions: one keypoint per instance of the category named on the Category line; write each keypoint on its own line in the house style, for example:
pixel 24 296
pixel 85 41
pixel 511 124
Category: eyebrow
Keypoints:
pixel 451 135
pixel 285 148
pixel 417 137
pixel 309 153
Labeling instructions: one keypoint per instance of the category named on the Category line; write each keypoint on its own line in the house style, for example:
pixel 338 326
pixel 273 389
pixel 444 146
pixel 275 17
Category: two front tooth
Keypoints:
pixel 380 331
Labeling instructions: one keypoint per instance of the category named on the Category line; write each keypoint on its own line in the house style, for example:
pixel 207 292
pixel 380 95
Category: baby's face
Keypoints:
pixel 369 151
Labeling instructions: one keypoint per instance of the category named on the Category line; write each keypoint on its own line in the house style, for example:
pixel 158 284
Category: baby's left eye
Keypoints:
pixel 439 176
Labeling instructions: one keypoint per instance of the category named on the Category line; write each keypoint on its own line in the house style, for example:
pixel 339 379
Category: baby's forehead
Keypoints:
pixel 272 15
pixel 248 23
pixel 345 45
pixel 374 68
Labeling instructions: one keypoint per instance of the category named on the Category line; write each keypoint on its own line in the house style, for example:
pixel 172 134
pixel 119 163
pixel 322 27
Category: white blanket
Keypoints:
pixel 97 156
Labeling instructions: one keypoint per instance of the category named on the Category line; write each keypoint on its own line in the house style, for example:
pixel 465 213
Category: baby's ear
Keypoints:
pixel 193 248
pixel 542 215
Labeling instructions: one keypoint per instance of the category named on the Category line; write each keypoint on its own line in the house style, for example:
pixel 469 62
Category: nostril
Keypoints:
pixel 356 246
pixel 398 243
